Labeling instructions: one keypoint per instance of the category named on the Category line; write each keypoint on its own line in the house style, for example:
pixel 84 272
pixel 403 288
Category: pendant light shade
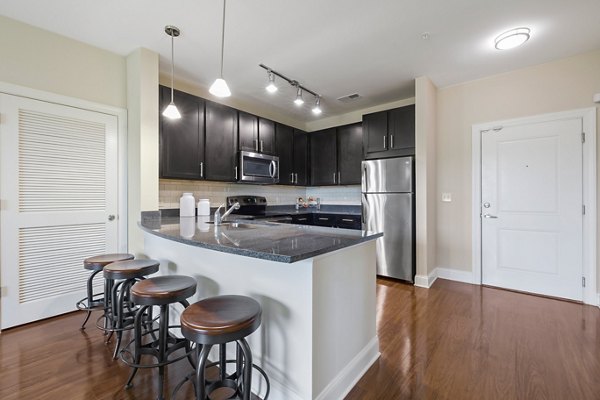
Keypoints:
pixel 171 110
pixel 219 88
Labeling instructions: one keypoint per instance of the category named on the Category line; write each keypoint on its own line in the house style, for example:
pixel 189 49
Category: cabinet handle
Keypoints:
pixel 262 147
pixel 323 219
pixel 302 219
pixel 334 175
pixel 255 141
pixel 347 220
pixel 339 181
pixel 296 179
pixel 391 141
pixel 385 142
pixel 201 169
pixel 236 174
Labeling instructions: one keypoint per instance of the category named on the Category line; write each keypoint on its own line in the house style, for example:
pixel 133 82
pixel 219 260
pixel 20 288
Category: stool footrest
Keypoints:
pixel 128 357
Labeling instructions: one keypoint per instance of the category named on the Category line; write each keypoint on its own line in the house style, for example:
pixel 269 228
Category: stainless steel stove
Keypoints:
pixel 255 206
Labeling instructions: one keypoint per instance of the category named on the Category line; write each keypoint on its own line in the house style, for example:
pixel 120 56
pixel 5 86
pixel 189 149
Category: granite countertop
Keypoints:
pixel 284 243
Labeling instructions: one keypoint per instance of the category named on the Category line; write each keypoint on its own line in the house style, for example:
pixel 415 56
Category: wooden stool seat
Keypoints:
pixel 97 263
pixel 130 269
pixel 163 290
pixel 221 319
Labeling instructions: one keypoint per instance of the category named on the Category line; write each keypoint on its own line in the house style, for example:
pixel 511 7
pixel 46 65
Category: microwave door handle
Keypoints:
pixel 273 169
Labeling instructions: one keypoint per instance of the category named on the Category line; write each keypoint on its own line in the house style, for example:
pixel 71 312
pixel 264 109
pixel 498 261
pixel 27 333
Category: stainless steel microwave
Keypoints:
pixel 258 168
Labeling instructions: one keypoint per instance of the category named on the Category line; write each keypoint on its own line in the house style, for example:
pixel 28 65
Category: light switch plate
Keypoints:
pixel 446 197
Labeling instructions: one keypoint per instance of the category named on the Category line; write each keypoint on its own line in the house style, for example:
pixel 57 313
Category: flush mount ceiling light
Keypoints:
pixel 512 38
pixel 219 88
pixel 171 110
pixel 271 88
pixel 299 101
pixel 317 108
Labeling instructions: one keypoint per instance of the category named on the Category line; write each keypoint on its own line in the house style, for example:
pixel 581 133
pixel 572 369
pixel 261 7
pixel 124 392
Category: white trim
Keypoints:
pixel 457 275
pixel 426 281
pixel 588 116
pixel 598 300
pixel 120 113
pixel 341 385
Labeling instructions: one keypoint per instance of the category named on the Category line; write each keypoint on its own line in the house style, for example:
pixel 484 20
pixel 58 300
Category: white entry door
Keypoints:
pixel 532 208
pixel 58 185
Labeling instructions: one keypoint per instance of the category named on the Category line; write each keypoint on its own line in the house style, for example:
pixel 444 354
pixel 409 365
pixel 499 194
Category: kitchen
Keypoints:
pixel 444 117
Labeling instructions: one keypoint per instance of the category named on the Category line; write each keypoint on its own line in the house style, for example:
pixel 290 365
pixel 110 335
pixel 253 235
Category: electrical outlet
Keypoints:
pixel 446 197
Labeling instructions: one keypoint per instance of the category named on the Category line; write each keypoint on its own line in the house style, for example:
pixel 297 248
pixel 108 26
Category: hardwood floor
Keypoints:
pixel 453 341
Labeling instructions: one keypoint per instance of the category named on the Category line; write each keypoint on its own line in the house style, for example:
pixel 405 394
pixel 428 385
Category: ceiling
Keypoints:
pixel 333 47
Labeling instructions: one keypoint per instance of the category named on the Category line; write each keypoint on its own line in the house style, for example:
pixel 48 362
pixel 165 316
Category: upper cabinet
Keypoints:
pixel 292 150
pixel 256 134
pixel 300 158
pixel 336 155
pixel 221 142
pixel 389 133
pixel 181 140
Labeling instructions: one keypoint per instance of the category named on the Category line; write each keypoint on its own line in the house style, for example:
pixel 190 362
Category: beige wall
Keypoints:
pixel 561 85
pixel 42 60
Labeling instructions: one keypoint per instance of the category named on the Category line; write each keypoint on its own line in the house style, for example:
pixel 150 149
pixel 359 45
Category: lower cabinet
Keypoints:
pixel 345 221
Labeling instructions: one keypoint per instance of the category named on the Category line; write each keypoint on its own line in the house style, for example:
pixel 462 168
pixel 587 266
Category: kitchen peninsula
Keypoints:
pixel 316 286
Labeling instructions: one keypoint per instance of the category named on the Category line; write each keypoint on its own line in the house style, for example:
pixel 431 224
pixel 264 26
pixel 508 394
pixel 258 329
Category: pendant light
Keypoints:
pixel 219 88
pixel 171 110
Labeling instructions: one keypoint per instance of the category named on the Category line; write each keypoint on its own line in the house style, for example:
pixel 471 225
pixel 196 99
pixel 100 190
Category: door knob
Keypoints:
pixel 111 217
pixel 489 216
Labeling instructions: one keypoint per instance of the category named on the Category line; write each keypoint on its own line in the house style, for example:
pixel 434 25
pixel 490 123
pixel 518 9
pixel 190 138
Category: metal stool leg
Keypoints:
pixel 247 374
pixel 90 297
pixel 163 334
pixel 138 343
pixel 200 379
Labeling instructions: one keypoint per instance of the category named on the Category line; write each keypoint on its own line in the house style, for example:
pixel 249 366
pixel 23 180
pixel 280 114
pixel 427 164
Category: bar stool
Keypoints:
pixel 129 272
pixel 92 301
pixel 221 320
pixel 159 291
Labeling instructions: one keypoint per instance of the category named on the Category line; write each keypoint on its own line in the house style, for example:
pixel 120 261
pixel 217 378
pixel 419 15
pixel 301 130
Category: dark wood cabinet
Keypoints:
pixel 345 221
pixel 284 139
pixel 389 133
pixel 266 136
pixel 181 140
pixel 323 157
pixel 248 132
pixel 221 142
pixel 350 154
pixel 300 158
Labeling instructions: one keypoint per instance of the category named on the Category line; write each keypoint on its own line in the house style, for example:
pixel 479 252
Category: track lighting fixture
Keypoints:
pixel 317 108
pixel 271 88
pixel 219 88
pixel 299 101
pixel 171 110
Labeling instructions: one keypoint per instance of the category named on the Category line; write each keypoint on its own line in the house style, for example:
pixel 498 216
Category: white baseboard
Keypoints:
pixel 457 275
pixel 425 281
pixel 341 385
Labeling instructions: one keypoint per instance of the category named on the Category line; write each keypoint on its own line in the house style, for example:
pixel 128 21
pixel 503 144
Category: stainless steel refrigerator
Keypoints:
pixel 388 206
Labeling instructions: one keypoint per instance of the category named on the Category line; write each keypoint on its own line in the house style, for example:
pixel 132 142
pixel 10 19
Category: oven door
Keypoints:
pixel 258 168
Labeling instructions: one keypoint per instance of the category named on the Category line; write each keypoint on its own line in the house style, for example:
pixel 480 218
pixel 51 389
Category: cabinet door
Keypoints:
pixel 266 136
pixel 350 154
pixel 181 140
pixel 401 123
pixel 221 139
pixel 284 137
pixel 375 132
pixel 324 219
pixel 348 221
pixel 302 219
pixel 323 157
pixel 248 131
pixel 301 157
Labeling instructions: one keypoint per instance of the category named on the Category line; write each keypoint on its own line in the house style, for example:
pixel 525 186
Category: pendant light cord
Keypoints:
pixel 172 65
pixel 223 37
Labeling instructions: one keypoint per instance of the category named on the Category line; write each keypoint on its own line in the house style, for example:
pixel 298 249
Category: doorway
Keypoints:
pixel 59 182
pixel 534 205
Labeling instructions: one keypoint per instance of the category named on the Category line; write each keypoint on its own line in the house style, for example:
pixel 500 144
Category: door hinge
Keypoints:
pixel 582 137
pixel 583 209
pixel 583 281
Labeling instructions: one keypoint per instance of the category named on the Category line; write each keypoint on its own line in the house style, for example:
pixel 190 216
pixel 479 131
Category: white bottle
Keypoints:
pixel 187 205
pixel 203 207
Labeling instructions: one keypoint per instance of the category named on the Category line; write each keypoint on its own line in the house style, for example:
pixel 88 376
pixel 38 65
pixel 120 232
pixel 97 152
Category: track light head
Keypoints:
pixel 299 100
pixel 271 88
pixel 317 108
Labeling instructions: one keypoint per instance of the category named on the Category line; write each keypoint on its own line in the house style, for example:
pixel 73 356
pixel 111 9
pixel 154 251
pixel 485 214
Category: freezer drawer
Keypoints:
pixel 392 214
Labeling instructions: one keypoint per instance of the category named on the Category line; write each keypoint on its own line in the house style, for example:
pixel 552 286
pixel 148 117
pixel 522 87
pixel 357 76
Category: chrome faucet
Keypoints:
pixel 218 218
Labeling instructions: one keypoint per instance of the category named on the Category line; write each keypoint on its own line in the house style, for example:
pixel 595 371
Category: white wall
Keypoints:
pixel 42 60
pixel 556 86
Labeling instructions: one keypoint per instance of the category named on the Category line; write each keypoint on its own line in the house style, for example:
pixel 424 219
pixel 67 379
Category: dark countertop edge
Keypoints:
pixel 257 254
pixel 354 210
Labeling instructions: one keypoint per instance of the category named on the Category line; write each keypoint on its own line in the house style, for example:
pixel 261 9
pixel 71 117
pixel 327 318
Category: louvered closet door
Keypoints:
pixel 58 185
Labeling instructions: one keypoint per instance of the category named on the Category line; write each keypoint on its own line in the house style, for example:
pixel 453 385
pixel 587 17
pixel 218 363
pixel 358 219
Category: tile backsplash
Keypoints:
pixel 170 191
